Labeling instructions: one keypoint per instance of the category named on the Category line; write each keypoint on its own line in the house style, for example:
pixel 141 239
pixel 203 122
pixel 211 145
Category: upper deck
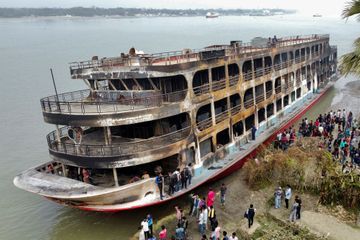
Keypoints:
pixel 134 62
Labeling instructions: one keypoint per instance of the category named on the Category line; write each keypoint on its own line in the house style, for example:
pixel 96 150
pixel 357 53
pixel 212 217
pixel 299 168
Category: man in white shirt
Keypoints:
pixel 201 222
pixel 145 228
pixel 287 195
pixel 205 211
pixel 233 236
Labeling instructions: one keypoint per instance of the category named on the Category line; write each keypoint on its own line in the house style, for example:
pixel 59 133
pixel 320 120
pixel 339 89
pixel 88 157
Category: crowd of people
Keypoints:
pixel 339 133
pixel 279 195
pixel 202 210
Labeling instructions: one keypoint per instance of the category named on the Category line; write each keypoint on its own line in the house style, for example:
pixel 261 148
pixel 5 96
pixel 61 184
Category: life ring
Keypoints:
pixel 75 134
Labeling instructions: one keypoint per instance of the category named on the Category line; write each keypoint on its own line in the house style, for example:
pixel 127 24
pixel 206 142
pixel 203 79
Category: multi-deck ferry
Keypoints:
pixel 142 114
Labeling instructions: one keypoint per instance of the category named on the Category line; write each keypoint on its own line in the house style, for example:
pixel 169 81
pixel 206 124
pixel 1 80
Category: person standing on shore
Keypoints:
pixel 201 222
pixel 278 195
pixel 298 209
pixel 150 224
pixel 210 198
pixel 250 214
pixel 222 194
pixel 145 228
pixel 294 208
pixel 287 195
pixel 163 233
pixel 233 236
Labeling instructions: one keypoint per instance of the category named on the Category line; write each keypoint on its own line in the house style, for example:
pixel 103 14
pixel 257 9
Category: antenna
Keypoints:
pixel 56 93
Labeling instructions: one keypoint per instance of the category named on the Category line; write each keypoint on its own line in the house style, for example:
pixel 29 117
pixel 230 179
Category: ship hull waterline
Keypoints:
pixel 236 165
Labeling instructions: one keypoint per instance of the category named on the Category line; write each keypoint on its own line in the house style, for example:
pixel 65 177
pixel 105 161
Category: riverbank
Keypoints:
pixel 318 221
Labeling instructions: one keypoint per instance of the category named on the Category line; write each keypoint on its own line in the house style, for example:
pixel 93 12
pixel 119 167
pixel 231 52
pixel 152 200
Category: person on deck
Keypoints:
pixel 210 198
pixel 253 132
pixel 159 180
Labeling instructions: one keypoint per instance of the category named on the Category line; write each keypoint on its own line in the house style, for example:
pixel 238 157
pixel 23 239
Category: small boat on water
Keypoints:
pixel 195 110
pixel 317 15
pixel 212 15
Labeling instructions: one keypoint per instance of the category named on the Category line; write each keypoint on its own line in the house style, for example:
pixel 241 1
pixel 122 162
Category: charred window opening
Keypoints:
pixel 222 138
pixel 277 62
pixel 172 87
pixel 238 129
pixel 286 83
pixel 259 93
pixel 308 72
pixel 312 50
pixel 145 84
pixel 258 67
pixel 201 82
pixel 233 70
pixel 248 98
pixel 268 64
pixel 270 110
pixel 320 48
pixel 203 117
pixel 308 85
pixel 235 103
pixel 278 104
pixel 278 85
pixel 307 52
pixel 302 53
pixel 291 58
pixel 220 110
pixel 292 96
pixel 218 78
pixel 316 52
pixel 261 115
pixel 297 56
pixel 268 89
pixel 298 77
pixel 298 92
pixel 150 129
pixel 249 122
pixel 284 59
pixel 206 147
pixel 286 100
pixel 247 70
pixel 303 73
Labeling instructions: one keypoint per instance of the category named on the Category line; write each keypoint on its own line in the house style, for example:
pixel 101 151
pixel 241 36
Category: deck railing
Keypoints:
pixel 92 102
pixel 269 93
pixel 218 85
pixel 66 146
pixel 233 80
pixel 204 124
pixel 259 98
pixel 221 116
pixel 189 55
pixel 202 89
pixel 249 103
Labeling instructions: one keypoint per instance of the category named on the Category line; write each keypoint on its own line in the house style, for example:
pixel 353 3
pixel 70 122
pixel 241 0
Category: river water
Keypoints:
pixel 29 47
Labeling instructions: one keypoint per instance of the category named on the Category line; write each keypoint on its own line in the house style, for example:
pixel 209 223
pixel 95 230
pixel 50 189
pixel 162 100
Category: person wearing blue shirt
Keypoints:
pixel 150 223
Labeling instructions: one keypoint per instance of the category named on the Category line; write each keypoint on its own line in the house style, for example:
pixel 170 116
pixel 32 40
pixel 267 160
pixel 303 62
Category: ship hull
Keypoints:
pixel 234 166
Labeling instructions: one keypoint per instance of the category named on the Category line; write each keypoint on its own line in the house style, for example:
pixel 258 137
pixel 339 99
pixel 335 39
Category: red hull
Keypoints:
pixel 235 166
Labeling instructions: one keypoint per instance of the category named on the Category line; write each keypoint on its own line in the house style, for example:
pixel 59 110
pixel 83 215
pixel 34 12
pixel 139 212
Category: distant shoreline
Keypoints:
pixel 132 12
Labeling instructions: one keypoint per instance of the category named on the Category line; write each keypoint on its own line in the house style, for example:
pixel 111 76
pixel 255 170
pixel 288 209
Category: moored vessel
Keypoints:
pixel 212 15
pixel 143 114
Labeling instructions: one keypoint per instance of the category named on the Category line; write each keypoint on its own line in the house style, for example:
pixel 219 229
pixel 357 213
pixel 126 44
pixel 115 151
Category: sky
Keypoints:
pixel 324 7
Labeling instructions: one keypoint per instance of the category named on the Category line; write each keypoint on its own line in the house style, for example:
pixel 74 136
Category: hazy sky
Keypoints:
pixel 325 7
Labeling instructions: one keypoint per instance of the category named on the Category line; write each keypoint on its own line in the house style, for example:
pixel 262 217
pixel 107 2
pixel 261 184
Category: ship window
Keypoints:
pixel 298 76
pixel 261 115
pixel 297 56
pixel 268 89
pixel 258 67
pixel 203 117
pixel 270 110
pixel 286 100
pixel 247 70
pixel 222 138
pixel 308 85
pixel 268 61
pixel 233 70
pixel 291 57
pixel 277 62
pixel 235 103
pixel 259 93
pixel 298 92
pixel 307 52
pixel 278 85
pixel 292 96
pixel 238 129
pixel 131 84
pixel 303 52
pixel 206 147
pixel 218 78
pixel 248 98
pixel 220 110
pixel 249 122
pixel 201 82
pixel 145 84
pixel 284 57
pixel 278 104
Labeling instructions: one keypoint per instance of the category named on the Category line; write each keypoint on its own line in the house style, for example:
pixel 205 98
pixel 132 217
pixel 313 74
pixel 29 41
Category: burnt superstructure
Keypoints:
pixel 142 111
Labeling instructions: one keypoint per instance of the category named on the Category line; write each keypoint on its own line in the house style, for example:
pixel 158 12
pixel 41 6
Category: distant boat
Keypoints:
pixel 317 15
pixel 212 15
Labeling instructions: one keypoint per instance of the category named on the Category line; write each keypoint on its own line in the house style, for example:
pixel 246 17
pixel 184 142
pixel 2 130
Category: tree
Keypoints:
pixel 350 62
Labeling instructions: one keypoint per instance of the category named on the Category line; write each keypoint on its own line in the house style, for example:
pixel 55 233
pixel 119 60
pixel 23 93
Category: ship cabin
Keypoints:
pixel 145 113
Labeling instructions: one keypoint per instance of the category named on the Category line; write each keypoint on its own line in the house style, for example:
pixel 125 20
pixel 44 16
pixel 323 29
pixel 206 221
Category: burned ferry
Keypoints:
pixel 142 114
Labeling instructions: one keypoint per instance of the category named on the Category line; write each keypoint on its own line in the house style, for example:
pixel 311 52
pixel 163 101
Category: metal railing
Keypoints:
pixel 107 101
pixel 260 98
pixel 249 103
pixel 236 109
pixel 204 124
pixel 269 94
pixel 218 85
pixel 233 80
pixel 277 89
pixel 202 89
pixel 188 55
pixel 221 116
pixel 66 146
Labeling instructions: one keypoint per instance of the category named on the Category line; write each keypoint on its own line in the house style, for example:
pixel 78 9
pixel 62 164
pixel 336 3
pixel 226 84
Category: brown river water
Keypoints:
pixel 29 47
